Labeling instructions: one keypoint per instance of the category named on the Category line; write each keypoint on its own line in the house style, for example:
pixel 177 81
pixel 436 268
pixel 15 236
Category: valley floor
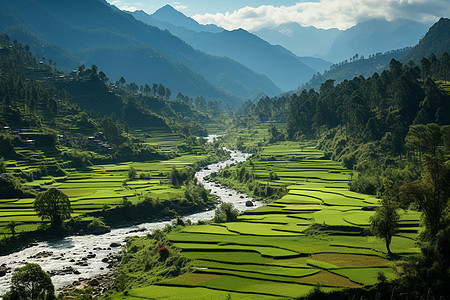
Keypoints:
pixel 273 251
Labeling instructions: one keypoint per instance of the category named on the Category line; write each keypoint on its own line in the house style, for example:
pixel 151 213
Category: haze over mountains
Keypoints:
pixel 281 66
pixel 198 60
pixel 365 38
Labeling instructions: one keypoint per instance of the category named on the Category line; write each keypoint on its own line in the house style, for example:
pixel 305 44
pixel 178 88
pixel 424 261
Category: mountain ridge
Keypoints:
pixel 60 23
pixel 282 67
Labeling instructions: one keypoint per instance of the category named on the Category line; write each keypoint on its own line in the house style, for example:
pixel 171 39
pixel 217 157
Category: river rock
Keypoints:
pixel 114 245
pixel 249 203
pixel 138 230
pixel 94 282
pixel 64 271
pixel 2 273
pixel 42 254
pixel 91 255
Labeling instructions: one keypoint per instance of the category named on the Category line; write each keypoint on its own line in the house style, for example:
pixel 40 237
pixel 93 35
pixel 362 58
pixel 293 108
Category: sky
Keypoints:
pixel 255 14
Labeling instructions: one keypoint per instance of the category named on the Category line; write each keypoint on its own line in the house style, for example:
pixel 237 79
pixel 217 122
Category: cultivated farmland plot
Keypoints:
pixel 99 187
pixel 270 252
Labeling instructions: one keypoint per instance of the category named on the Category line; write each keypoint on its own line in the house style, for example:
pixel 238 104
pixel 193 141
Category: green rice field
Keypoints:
pixel 271 252
pixel 99 187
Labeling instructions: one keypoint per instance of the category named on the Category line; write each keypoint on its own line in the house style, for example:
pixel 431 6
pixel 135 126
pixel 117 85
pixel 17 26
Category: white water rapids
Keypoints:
pixel 68 251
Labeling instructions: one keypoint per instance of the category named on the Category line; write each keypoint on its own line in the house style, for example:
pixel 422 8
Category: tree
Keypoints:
pixel 122 81
pixel 168 93
pixel 53 205
pixel 226 213
pixel 147 89
pixel 161 90
pixel 431 193
pixel 30 282
pixel 94 70
pixel 384 223
pixel 424 138
pixel 132 173
pixel 102 77
pixel 11 226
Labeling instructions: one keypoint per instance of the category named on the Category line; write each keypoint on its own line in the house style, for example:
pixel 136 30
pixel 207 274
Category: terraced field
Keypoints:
pixel 100 186
pixel 269 253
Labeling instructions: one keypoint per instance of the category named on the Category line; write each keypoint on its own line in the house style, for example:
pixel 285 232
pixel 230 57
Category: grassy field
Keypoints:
pixel 271 252
pixel 98 187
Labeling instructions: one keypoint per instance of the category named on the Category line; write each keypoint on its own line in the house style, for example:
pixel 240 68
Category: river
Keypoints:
pixel 85 253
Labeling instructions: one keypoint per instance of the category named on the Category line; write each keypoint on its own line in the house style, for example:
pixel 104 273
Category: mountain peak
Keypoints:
pixel 169 13
pixel 167 9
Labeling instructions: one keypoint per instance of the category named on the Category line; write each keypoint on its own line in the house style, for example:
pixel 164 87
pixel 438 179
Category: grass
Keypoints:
pixel 188 293
pixel 270 252
pixel 96 187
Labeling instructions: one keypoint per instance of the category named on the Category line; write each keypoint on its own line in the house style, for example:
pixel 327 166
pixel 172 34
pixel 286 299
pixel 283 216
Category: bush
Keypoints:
pixel 132 173
pixel 226 213
pixel 97 226
pixel 366 184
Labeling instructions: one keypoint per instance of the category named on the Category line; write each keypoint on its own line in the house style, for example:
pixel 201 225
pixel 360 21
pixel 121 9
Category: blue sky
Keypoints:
pixel 255 14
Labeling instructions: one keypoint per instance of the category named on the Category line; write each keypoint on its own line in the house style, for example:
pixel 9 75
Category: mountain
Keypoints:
pixel 170 15
pixel 373 36
pixel 303 41
pixel 436 41
pixel 358 67
pixel 85 28
pixel 281 66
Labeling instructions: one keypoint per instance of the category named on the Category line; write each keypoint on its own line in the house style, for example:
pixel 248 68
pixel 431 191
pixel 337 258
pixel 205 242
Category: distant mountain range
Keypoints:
pixel 436 41
pixel 365 38
pixel 280 65
pixel 376 36
pixel 198 60
pixel 94 32
pixel 303 41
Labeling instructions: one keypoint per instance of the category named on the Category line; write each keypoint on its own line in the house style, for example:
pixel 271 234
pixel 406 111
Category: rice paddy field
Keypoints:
pixel 271 254
pixel 98 187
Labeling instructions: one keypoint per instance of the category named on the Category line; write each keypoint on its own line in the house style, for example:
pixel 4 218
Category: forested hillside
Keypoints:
pixel 122 46
pixel 436 41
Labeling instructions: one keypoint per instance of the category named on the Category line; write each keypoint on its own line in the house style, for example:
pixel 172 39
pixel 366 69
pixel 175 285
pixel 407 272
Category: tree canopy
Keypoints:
pixel 30 282
pixel 53 205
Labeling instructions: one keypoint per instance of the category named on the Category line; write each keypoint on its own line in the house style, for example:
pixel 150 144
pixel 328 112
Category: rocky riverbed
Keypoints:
pixel 72 259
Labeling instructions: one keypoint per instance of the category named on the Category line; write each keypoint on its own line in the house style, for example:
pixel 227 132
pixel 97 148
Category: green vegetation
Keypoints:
pixel 54 205
pixel 30 282
pixel 284 249
pixel 115 162
pixel 348 173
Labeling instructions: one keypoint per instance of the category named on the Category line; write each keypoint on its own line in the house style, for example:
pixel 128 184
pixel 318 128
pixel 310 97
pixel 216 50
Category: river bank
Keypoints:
pixel 85 254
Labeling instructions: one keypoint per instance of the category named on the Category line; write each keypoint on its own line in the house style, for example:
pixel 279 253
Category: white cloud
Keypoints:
pixel 122 6
pixel 328 13
pixel 180 7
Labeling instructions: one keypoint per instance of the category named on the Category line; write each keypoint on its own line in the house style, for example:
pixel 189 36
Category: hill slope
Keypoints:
pixel 281 66
pixel 437 41
pixel 85 25
pixel 374 36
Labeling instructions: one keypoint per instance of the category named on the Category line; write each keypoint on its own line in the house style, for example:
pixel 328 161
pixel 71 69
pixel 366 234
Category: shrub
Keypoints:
pixel 132 173
pixel 226 213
